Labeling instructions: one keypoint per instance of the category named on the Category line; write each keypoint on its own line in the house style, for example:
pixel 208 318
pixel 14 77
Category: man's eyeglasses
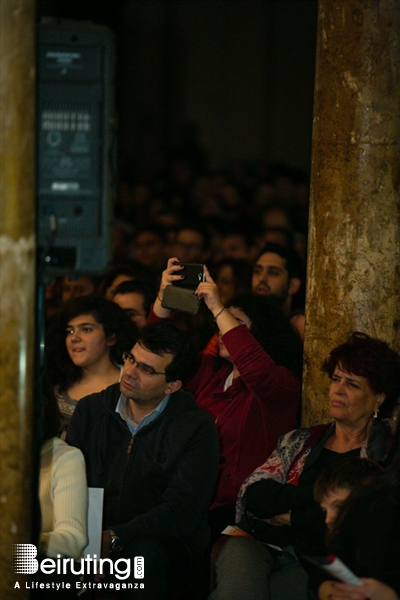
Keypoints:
pixel 141 367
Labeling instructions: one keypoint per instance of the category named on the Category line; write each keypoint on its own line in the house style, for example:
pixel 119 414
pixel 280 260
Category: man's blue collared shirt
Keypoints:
pixel 134 427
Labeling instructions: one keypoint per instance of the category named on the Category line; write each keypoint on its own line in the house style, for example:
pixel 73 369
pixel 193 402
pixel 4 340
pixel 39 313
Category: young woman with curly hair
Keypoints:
pixel 84 348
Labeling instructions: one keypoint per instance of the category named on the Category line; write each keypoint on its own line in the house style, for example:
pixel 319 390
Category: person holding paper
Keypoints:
pixel 366 537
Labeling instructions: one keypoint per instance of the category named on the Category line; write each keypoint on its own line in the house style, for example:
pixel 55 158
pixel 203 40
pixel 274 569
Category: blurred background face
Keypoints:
pixel 133 305
pixel 188 246
pixel 72 288
pixel 149 250
pixel 109 295
pixel 275 217
pixel 225 281
pixel 234 246
pixel 276 236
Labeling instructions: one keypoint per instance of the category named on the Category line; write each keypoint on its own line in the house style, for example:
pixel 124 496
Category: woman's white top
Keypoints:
pixel 63 496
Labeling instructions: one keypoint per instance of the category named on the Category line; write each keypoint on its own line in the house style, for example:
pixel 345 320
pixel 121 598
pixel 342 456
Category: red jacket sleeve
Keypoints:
pixel 258 371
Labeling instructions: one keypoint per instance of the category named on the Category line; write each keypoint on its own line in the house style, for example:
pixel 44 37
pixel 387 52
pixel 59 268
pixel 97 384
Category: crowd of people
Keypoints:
pixel 191 422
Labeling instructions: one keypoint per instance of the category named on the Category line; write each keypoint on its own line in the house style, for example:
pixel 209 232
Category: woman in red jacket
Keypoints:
pixel 252 389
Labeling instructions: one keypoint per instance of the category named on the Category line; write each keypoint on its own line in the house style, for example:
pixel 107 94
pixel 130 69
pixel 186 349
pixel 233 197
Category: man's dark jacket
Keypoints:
pixel 158 482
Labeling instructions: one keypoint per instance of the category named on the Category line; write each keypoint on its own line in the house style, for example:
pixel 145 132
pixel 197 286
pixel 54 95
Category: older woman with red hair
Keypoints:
pixel 276 504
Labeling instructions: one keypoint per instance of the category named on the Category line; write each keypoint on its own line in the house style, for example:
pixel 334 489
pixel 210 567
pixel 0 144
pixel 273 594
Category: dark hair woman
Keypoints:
pixel 252 389
pixel 84 347
pixel 232 276
pixel 374 361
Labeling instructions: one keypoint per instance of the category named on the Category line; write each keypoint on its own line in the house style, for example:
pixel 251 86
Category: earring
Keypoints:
pixel 375 415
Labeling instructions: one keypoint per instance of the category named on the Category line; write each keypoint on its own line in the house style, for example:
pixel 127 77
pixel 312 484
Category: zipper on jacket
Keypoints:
pixel 130 444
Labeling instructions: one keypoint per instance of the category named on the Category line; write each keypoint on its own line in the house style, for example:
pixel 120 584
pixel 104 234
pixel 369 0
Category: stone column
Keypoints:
pixel 354 257
pixel 17 281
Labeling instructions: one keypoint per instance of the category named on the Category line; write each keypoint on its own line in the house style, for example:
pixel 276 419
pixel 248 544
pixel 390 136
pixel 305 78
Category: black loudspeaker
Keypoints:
pixel 76 179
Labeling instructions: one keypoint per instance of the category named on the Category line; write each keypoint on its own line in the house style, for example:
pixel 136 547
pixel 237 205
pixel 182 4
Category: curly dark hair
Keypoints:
pixel 272 329
pixel 373 359
pixel 162 337
pixel 60 370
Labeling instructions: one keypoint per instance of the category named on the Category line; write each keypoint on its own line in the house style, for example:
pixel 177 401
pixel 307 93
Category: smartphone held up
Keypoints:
pixel 181 295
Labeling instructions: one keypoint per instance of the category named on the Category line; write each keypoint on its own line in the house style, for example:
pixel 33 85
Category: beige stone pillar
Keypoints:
pixel 17 281
pixel 354 257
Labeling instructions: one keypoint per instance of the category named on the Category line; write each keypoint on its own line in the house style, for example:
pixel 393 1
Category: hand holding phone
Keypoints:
pixel 178 285
pixel 192 273
pixel 208 291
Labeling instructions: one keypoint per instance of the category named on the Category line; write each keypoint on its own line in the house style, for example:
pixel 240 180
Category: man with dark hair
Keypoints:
pixel 135 298
pixel 156 454
pixel 278 272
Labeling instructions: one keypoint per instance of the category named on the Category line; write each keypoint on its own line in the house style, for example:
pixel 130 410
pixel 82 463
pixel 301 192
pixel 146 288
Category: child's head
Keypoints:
pixel 334 485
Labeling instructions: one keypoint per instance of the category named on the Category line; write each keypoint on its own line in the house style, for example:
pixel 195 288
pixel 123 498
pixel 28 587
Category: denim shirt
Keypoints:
pixel 133 427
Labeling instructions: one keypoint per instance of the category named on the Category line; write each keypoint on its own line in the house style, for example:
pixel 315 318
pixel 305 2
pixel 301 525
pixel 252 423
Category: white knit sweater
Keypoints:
pixel 63 496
